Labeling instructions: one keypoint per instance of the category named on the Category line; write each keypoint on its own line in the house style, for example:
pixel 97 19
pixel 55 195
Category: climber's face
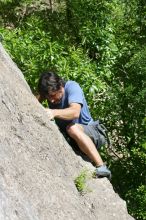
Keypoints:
pixel 55 97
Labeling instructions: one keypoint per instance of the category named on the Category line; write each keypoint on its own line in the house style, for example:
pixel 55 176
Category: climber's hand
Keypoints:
pixel 50 113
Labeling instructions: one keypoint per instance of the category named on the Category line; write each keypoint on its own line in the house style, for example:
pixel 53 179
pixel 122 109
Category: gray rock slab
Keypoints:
pixel 38 167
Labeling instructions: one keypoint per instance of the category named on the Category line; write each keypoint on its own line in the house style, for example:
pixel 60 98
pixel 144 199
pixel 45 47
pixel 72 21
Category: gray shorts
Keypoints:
pixel 96 131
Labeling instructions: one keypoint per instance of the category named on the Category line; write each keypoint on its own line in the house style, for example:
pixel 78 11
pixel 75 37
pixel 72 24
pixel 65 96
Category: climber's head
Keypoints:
pixel 51 87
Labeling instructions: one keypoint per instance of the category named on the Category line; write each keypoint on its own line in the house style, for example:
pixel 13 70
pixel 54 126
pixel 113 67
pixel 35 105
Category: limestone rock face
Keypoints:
pixel 38 167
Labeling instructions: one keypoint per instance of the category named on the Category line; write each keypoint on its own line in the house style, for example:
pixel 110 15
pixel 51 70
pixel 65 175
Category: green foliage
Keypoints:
pixel 81 182
pixel 132 180
pixel 138 198
pixel 129 174
pixel 34 51
pixel 101 45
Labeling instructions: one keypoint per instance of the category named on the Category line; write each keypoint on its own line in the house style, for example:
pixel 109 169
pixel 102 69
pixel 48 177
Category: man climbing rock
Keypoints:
pixel 68 106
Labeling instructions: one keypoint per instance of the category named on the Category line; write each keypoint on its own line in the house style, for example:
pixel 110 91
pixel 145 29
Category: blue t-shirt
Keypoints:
pixel 73 94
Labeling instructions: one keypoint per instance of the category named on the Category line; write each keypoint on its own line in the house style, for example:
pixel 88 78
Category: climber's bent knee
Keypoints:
pixel 74 129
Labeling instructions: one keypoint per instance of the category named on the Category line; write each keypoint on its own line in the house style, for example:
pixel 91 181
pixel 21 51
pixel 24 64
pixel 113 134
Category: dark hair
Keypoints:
pixel 49 82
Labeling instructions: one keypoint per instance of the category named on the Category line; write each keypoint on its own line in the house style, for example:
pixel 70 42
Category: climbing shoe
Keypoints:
pixel 103 171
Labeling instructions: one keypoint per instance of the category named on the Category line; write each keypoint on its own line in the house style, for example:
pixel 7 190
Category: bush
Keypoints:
pixel 101 45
